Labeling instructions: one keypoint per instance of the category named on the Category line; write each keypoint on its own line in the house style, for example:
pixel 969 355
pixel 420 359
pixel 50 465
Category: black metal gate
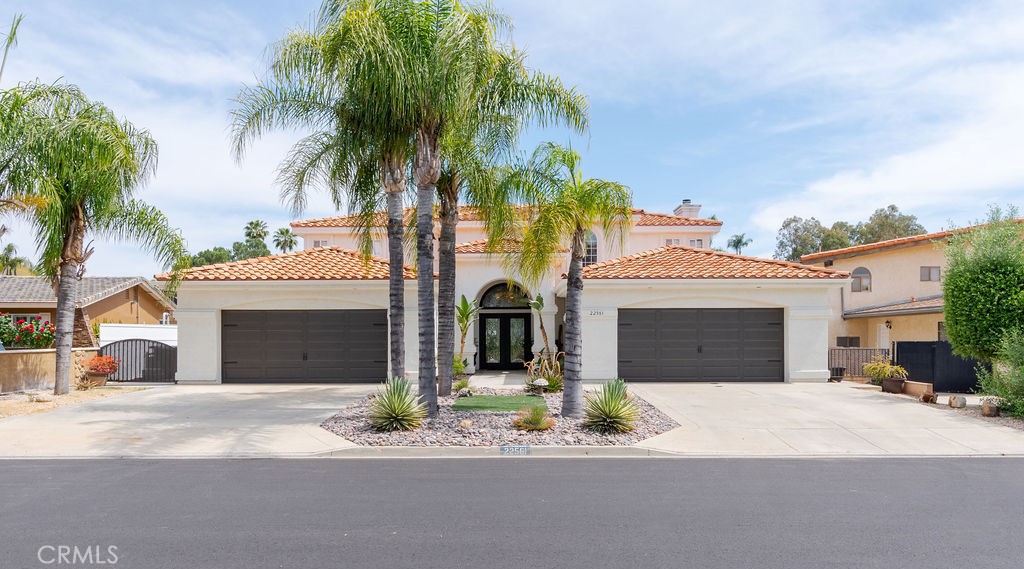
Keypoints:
pixel 934 362
pixel 142 360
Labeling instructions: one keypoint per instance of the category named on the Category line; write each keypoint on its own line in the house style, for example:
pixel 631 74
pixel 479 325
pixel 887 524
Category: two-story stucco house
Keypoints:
pixel 895 291
pixel 659 305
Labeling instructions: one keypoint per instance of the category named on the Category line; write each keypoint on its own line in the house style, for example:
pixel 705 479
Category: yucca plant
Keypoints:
pixel 610 410
pixel 395 408
pixel 534 419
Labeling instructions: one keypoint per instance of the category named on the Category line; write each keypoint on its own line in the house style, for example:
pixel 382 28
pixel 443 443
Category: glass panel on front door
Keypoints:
pixel 492 340
pixel 517 344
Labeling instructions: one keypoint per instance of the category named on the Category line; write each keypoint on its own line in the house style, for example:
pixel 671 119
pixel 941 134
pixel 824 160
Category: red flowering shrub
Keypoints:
pixel 102 364
pixel 34 333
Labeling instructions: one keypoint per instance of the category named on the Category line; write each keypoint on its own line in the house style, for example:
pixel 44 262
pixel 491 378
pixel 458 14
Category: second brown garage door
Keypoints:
pixel 701 344
pixel 285 346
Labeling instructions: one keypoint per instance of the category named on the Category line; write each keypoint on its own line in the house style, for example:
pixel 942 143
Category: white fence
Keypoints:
pixel 166 333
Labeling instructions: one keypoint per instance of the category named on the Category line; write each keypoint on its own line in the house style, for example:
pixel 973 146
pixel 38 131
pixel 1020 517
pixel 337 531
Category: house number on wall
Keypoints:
pixel 596 313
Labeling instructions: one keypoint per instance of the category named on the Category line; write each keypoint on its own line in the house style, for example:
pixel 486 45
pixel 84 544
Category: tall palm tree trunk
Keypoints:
pixel 396 284
pixel 67 293
pixel 572 397
pixel 446 291
pixel 427 169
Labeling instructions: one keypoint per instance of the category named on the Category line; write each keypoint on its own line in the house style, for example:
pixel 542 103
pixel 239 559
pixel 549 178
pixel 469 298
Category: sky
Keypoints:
pixel 756 110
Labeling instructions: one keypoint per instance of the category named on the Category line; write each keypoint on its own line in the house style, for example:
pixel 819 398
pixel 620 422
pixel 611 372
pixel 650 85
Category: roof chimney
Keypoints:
pixel 687 209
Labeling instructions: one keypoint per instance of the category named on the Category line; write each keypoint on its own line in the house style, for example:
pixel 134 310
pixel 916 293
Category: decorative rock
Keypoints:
pixel 957 401
pixel 466 424
pixel 465 392
pixel 42 397
pixel 989 409
pixel 928 398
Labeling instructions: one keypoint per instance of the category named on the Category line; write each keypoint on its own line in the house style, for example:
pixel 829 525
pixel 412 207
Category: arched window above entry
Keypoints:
pixel 590 256
pixel 861 280
pixel 503 296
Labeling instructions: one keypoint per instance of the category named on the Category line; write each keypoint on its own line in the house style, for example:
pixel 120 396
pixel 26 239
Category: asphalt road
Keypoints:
pixel 530 513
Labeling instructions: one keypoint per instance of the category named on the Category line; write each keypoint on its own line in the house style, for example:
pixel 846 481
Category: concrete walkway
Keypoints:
pixel 187 421
pixel 816 419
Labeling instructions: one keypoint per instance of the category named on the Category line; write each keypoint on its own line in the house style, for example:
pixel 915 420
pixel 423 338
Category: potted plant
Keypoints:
pixel 885 373
pixel 98 368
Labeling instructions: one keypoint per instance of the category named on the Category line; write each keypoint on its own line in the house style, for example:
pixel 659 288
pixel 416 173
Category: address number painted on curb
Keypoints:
pixel 514 450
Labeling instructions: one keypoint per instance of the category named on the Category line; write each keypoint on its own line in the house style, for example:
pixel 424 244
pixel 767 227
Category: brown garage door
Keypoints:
pixel 273 346
pixel 701 344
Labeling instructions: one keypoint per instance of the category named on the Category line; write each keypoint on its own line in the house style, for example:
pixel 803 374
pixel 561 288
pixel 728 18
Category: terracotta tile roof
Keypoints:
pixel 650 219
pixel 469 213
pixel 889 244
pixel 319 264
pixel 678 262
pixel 479 247
pixel 924 304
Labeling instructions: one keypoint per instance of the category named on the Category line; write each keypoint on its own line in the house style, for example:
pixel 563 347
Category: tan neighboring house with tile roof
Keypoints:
pixel 895 292
pixel 112 300
pixel 660 305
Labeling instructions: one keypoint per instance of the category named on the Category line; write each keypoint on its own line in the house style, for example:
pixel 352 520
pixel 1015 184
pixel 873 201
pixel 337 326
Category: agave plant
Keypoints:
pixel 394 407
pixel 610 410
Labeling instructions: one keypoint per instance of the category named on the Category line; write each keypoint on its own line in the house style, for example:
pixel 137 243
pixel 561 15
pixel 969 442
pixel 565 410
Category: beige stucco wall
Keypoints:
pixel 133 306
pixel 806 305
pixel 200 305
pixel 22 370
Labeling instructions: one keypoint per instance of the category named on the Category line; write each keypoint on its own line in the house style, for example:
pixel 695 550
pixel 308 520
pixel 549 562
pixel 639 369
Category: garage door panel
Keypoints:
pixel 297 345
pixel 709 344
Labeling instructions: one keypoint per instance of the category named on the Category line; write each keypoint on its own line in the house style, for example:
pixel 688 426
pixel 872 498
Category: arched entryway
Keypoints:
pixel 505 328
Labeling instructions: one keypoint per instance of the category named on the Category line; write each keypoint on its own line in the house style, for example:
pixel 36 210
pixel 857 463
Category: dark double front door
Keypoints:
pixel 506 340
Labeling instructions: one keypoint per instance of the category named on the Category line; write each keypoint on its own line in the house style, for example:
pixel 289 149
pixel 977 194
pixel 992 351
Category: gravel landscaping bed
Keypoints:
pixel 975 411
pixel 492 428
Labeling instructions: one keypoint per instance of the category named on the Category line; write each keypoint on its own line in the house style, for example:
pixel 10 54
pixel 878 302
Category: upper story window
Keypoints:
pixel 319 243
pixel 861 280
pixel 590 256
pixel 698 243
pixel 931 274
pixel 671 242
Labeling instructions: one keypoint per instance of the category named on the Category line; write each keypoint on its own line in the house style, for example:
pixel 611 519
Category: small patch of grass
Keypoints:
pixel 500 403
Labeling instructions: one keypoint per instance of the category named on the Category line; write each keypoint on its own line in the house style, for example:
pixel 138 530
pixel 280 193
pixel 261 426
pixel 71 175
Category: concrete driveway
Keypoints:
pixel 186 421
pixel 818 419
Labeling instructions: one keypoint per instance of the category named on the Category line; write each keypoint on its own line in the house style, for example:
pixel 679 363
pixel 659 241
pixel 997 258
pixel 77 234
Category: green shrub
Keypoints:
pixel 1005 381
pixel 461 384
pixel 983 286
pixel 395 408
pixel 534 419
pixel 610 410
pixel 32 333
pixel 880 368
pixel 459 366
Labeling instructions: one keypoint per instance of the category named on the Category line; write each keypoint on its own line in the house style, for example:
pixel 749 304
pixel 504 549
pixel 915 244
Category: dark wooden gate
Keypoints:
pixel 142 360
pixel 934 362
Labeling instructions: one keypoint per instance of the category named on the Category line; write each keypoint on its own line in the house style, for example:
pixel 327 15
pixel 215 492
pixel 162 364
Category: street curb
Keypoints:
pixel 492 452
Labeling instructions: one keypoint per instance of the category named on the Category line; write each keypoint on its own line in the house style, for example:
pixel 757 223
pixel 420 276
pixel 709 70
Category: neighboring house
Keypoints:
pixel 895 292
pixel 659 305
pixel 128 300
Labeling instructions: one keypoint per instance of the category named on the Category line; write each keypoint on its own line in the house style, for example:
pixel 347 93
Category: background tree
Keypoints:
pixel 211 257
pixel 87 164
pixel 10 262
pixel 11 40
pixel 256 230
pixel 285 240
pixel 887 223
pixel 738 242
pixel 565 206
pixel 249 249
pixel 798 237
pixel 839 236
pixel 984 285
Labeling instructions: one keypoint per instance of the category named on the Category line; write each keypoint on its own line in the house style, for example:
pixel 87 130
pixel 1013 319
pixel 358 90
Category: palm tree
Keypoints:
pixel 10 41
pixel 565 208
pixel 465 314
pixel 738 242
pixel 285 240
pixel 10 262
pixel 87 165
pixel 256 230
pixel 471 155
pixel 340 80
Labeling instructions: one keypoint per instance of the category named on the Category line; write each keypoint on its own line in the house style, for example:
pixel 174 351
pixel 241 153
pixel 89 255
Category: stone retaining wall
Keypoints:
pixel 21 370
